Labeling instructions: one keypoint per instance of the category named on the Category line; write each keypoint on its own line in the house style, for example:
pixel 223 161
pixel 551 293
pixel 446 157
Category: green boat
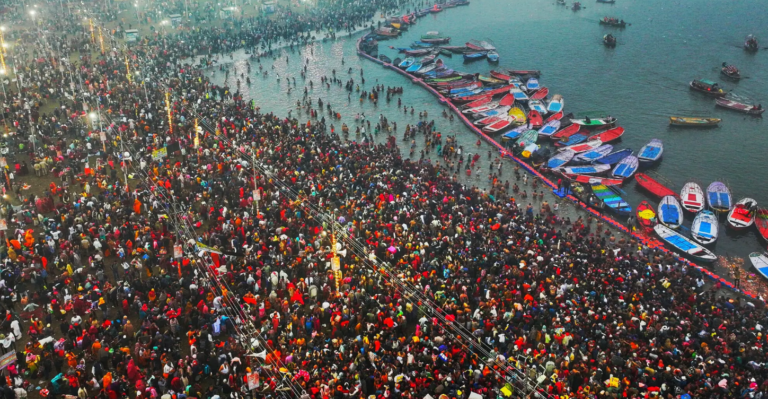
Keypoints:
pixel 446 53
pixel 451 79
pixel 527 138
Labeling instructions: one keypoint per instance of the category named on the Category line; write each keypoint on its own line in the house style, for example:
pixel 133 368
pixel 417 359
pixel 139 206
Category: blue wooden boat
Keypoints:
pixel 549 128
pixel 611 199
pixel 538 106
pixel 597 153
pixel 670 212
pixel 614 157
pixel 760 262
pixel 532 84
pixel 493 56
pixel 413 68
pixel 626 167
pixel 560 159
pixel 514 133
pixel 719 197
pixel 651 152
pixel 422 45
pixel 585 169
pixel 683 245
pixel 705 227
pixel 474 56
pixel 408 62
pixel 571 140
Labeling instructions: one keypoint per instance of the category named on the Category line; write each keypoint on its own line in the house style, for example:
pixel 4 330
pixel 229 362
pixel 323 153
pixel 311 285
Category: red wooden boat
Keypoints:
pixel 653 186
pixel 535 119
pixel 565 132
pixel 478 102
pixel 761 222
pixel 593 179
pixel 608 135
pixel 502 76
pixel 474 46
pixel 493 92
pixel 554 117
pixel 540 94
pixel 644 217
pixel 508 99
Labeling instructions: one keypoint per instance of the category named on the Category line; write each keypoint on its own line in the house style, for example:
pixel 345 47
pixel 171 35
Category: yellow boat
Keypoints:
pixel 692 121
pixel 518 114
pixel 395 25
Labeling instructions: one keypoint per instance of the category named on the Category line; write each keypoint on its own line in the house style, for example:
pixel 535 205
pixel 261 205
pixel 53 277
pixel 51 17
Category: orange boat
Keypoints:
pixel 653 186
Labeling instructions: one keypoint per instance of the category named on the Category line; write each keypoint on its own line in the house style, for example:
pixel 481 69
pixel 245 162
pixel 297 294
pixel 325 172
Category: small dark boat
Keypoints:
pixel 751 44
pixel 576 6
pixel 385 59
pixel 396 61
pixel 609 40
pixel 474 56
pixel 707 87
pixel 607 1
pixel 456 49
pixel 462 2
pixel 523 72
pixel 730 71
pixel 615 22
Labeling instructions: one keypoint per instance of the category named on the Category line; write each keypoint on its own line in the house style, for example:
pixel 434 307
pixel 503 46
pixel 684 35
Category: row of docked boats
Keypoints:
pixel 394 26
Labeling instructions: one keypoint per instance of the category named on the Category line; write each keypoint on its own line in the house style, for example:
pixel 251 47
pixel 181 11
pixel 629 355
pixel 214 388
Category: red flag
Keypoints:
pixel 297 297
pixel 216 259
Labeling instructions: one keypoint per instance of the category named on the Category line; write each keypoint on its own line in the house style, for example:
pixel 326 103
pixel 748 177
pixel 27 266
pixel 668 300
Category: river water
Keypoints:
pixel 642 81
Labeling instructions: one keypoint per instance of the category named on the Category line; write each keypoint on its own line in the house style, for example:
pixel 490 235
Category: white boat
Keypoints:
pixel 502 123
pixel 692 197
pixel 582 147
pixel 683 245
pixel 532 84
pixel 742 215
pixel 483 108
pixel 760 262
pixel 549 128
pixel 538 106
pixel 556 104
pixel 519 94
pixel 670 213
pixel 487 120
pixel 704 228
pixel 586 169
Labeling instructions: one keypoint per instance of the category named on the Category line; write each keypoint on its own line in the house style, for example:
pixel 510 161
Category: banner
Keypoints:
pixel 253 380
pixel 7 359
pixel 159 154
pixel 178 251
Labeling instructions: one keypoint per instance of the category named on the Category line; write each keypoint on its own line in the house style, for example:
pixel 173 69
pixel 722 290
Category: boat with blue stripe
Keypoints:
pixel 683 245
pixel 611 198
pixel 670 212
pixel 705 228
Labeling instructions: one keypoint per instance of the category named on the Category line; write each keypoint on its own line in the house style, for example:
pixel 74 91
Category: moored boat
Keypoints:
pixel 502 123
pixel 535 119
pixel 742 215
pixel 597 122
pixel 532 84
pixel 560 159
pixel 646 216
pixel 693 121
pixel 527 138
pixel 566 132
pixel 653 186
pixel 740 107
pixel 554 117
pixel 651 152
pixel 525 72
pixel 614 157
pixel 760 263
pixel 585 169
pixel 478 102
pixel 540 95
pixel 597 153
pixel 514 133
pixel 625 168
pixel 707 87
pixel 587 179
pixel 482 108
pixel 556 104
pixel 670 213
pixel 519 94
pixel 386 59
pixel 761 222
pixel 537 106
pixel 582 147
pixel 704 228
pixel 493 56
pixel 500 75
pixel 407 63
pixel 608 135
pixel 683 245
pixel 518 114
pixel 692 197
pixel 611 199
pixel 549 128
pixel 719 197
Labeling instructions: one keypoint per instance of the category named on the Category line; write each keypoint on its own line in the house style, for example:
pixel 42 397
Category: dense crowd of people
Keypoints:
pixel 145 268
